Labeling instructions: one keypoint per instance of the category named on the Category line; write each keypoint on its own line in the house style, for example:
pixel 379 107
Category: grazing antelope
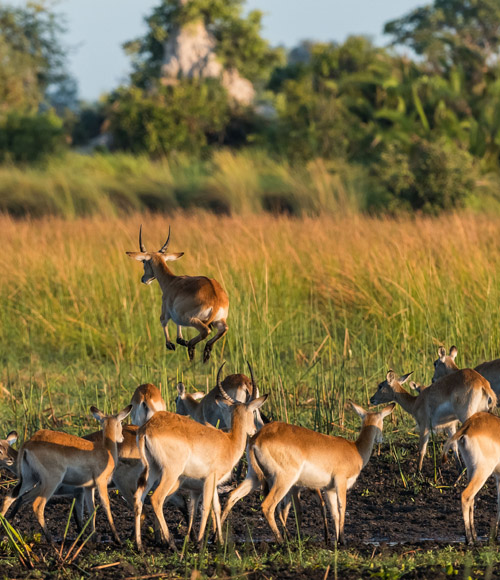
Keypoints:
pixel 206 409
pixel 175 448
pixel 283 456
pixel 146 401
pixel 479 443
pixel 445 365
pixel 450 399
pixel 194 301
pixel 52 458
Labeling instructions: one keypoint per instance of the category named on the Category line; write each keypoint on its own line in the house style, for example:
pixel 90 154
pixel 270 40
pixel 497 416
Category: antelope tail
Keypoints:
pixel 451 440
pixel 143 478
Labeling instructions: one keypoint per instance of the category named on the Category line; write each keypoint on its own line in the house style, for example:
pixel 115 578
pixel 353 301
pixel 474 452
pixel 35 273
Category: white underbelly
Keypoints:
pixel 313 477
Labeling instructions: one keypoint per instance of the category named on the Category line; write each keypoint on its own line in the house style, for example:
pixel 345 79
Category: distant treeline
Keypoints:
pixel 418 132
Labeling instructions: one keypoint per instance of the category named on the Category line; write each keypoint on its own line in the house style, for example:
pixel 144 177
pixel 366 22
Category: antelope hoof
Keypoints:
pixel 182 342
pixel 170 345
pixel 190 352
pixel 206 353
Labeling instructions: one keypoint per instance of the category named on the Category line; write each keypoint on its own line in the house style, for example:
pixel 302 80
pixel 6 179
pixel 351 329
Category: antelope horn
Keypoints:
pixel 164 247
pixel 254 387
pixel 221 390
pixel 141 245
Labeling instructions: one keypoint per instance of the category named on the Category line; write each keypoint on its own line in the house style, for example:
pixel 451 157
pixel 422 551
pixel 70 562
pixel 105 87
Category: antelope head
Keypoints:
pixel 385 390
pixel 252 405
pixel 148 258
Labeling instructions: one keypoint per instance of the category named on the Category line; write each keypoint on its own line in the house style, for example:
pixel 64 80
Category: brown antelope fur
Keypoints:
pixel 439 406
pixel 174 447
pixel 52 458
pixel 205 409
pixel 445 365
pixel 146 401
pixel 283 456
pixel 479 443
pixel 194 301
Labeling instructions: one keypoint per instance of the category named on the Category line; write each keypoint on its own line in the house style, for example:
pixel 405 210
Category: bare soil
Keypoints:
pixel 386 512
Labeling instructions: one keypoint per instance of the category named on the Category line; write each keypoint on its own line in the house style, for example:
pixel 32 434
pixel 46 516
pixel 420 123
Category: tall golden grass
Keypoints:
pixel 322 307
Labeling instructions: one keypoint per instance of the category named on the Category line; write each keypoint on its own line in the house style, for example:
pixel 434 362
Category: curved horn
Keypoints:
pixel 221 390
pixel 254 386
pixel 164 247
pixel 141 245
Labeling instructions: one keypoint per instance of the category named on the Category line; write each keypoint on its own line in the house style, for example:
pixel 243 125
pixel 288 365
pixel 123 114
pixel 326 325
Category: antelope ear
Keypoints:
pixel 387 410
pixel 139 256
pixel 172 257
pixel 391 377
pixel 359 409
pixel 256 403
pixel 453 352
pixel 441 353
pixel 124 413
pixel 181 390
pixel 11 437
pixel 404 378
pixel 99 415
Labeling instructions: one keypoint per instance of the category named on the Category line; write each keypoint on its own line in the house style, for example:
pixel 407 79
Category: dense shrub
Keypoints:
pixel 180 117
pixel 26 137
pixel 428 176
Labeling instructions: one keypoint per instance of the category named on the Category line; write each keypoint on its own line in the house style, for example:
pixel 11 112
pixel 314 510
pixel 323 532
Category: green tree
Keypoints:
pixel 239 43
pixel 182 117
pixel 453 34
pixel 32 58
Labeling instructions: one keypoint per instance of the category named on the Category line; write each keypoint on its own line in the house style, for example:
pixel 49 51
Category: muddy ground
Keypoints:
pixel 390 509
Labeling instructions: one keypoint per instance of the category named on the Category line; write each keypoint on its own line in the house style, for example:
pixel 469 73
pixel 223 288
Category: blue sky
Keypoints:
pixel 98 28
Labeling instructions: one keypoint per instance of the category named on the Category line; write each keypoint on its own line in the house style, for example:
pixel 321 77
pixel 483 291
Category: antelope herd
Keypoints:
pixel 194 450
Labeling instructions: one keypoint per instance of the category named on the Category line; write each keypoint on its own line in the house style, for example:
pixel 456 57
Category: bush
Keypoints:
pixel 28 138
pixel 182 117
pixel 428 176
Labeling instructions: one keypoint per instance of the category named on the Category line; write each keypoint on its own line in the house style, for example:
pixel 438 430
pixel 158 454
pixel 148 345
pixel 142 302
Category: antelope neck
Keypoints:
pixel 365 441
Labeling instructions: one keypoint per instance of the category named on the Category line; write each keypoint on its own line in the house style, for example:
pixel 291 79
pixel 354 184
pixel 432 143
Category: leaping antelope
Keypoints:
pixel 195 301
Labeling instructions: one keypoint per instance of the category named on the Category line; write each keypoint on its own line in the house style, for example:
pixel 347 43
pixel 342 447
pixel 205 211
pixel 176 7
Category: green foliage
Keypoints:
pixel 239 43
pixel 428 176
pixel 452 33
pixel 31 56
pixel 29 137
pixel 180 117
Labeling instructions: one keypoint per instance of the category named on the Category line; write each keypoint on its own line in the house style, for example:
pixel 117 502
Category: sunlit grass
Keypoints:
pixel 322 307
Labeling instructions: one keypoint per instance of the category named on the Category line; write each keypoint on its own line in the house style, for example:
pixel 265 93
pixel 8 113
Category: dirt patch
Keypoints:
pixel 391 509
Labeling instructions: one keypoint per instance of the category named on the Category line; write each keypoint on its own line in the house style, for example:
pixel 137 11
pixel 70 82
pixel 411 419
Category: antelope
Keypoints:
pixel 146 401
pixel 283 455
pixel 451 399
pixel 8 455
pixel 445 365
pixel 479 443
pixel 205 409
pixel 51 458
pixel 174 448
pixel 194 301
pixel 8 460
